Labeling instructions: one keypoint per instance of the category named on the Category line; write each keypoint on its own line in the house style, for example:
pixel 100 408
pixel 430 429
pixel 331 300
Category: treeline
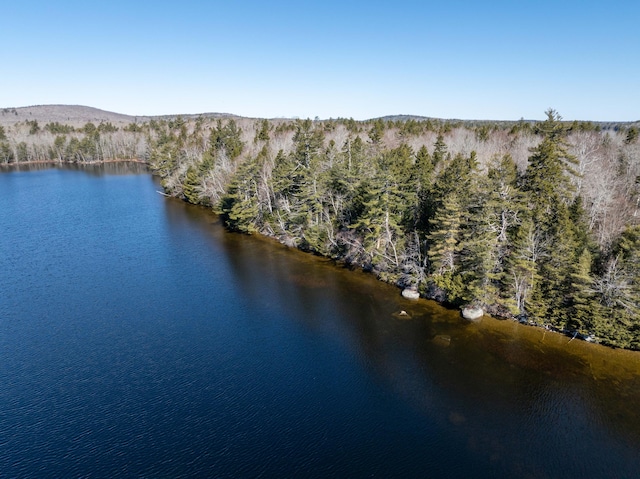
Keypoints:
pixel 28 142
pixel 536 221
pixel 530 221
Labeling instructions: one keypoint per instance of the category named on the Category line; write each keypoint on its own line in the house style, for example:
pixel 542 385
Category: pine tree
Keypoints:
pixel 520 266
pixel 451 201
pixel 240 208
pixel 582 308
pixel 263 133
pixel 343 180
pixel 227 139
pixel 556 266
pixel 382 209
pixel 376 131
pixel 191 185
pixel 550 194
pixel 308 142
pixel 617 288
pixel 439 150
pixel 547 175
pixel 422 178
pixel 444 236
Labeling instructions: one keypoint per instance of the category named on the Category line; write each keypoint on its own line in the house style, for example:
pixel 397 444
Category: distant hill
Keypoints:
pixel 66 114
pixel 78 115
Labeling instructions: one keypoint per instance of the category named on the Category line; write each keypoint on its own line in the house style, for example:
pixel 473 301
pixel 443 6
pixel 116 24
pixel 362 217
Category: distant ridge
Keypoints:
pixel 78 115
pixel 605 125
pixel 68 114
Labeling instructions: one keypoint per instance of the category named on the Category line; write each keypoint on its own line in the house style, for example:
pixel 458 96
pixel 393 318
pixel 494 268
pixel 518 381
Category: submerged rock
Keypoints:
pixel 472 314
pixel 442 340
pixel 402 314
pixel 410 293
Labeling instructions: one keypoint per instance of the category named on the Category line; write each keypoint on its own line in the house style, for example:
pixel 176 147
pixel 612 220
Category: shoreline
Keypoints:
pixel 534 326
pixel 77 163
pixel 540 327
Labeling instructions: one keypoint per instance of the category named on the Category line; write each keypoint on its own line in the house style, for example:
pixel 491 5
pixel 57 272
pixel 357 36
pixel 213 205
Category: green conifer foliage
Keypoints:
pixel 583 310
pixel 623 292
pixel 547 175
pixel 422 178
pixel 457 240
pixel 263 132
pixel 308 143
pixel 632 135
pixel 444 236
pixel 227 138
pixel 550 194
pixel 343 178
pixel 555 266
pixel 239 207
pixel 439 151
pixel 376 131
pixel 191 185
pixel 461 229
pixel 6 153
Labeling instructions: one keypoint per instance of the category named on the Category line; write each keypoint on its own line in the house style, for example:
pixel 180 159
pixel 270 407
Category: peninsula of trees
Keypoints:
pixel 536 221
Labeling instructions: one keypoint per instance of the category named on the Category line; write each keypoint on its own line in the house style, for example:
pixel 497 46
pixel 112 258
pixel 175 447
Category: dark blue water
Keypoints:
pixel 139 339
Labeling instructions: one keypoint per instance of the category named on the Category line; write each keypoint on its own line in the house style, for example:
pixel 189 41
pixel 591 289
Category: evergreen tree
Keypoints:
pixel 376 131
pixel 308 143
pixel 58 147
pixel 550 190
pixel 34 127
pixel 298 185
pixel 191 185
pixel 582 309
pixel 521 271
pixel 444 236
pixel 632 135
pixel 547 175
pixel 497 216
pixel 549 302
pixel 239 207
pixel 618 290
pixel 6 153
pixel 439 150
pixel 343 180
pixel 227 138
pixel 424 169
pixel 422 178
pixel 383 210
pixel 446 218
pixel 263 132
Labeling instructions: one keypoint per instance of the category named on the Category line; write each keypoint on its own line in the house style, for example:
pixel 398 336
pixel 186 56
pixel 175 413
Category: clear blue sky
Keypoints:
pixel 479 59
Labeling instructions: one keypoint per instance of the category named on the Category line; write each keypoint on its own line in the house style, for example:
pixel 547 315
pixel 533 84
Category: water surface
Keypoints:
pixel 138 338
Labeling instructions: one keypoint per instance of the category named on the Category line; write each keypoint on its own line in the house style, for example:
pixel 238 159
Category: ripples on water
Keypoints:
pixel 137 338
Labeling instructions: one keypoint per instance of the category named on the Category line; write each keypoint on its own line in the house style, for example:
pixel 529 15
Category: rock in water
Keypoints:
pixel 472 314
pixel 442 340
pixel 410 293
pixel 401 315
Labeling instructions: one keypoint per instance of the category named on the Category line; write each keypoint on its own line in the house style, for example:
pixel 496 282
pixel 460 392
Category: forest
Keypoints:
pixel 531 221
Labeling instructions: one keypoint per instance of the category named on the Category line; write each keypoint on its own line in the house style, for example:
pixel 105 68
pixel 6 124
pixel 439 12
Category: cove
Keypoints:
pixel 139 338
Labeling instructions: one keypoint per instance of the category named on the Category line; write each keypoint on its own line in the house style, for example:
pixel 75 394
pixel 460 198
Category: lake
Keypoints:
pixel 138 338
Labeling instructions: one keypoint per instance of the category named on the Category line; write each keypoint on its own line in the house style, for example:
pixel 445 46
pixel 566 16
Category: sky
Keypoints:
pixel 494 60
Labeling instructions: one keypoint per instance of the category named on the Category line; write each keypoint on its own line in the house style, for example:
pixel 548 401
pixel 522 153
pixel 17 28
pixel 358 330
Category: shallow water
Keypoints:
pixel 138 338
